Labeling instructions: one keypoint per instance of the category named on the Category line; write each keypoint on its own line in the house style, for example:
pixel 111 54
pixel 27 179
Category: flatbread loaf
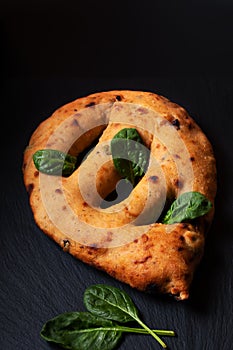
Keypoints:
pixel 126 238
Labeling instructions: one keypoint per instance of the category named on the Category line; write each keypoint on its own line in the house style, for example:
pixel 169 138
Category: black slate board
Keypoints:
pixel 38 280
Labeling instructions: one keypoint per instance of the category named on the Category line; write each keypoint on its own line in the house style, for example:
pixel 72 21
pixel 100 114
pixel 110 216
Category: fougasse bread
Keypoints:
pixel 127 239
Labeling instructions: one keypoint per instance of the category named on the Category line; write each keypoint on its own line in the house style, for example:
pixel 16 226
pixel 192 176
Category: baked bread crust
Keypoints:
pixel 163 257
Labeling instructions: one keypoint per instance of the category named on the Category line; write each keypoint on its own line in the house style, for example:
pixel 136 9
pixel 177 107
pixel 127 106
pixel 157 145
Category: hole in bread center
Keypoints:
pixel 122 191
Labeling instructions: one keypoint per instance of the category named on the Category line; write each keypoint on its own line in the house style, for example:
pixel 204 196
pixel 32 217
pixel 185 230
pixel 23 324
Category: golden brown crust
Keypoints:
pixel 162 256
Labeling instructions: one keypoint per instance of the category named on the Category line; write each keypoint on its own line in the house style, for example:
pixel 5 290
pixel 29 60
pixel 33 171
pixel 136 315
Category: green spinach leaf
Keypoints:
pixel 114 304
pixel 187 206
pixel 85 331
pixel 130 156
pixel 54 162
pixel 98 329
pixel 81 331
pixel 110 302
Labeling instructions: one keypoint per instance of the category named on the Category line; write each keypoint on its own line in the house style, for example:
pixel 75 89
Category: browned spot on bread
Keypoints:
pixel 177 156
pixel 92 249
pixel 118 97
pixel 94 246
pixel 164 122
pixel 36 173
pixel 144 238
pixel 179 249
pixel 154 179
pixel 193 238
pixel 190 125
pixel 178 183
pixel 143 260
pixel 30 188
pixel 74 122
pixel 143 110
pixel 109 236
pixel 176 123
pixel 90 104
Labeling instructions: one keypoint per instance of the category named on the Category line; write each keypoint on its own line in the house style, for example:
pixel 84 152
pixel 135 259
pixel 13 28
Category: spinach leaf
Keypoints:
pixel 114 304
pixel 187 206
pixel 85 331
pixel 81 331
pixel 130 156
pixel 89 330
pixel 54 162
pixel 110 302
